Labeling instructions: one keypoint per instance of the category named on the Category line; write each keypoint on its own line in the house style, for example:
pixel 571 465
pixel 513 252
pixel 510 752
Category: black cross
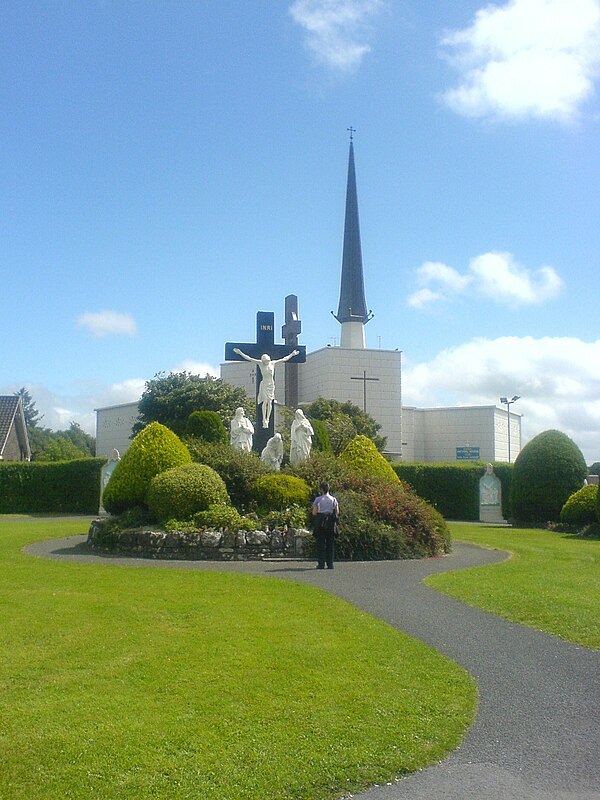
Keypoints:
pixel 265 343
pixel 289 333
pixel 364 379
pixel 352 132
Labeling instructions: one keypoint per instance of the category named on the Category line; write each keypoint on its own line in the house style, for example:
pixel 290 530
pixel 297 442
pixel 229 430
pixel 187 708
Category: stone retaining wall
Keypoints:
pixel 201 546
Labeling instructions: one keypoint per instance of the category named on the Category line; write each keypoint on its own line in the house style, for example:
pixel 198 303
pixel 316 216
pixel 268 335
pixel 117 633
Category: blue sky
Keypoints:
pixel 170 168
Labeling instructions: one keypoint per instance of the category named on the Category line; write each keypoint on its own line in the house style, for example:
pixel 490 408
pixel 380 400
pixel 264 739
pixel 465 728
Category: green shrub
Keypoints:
pixel 152 451
pixel 182 491
pixel 220 516
pixel 320 442
pixel 291 517
pixel 362 457
pixel 580 508
pixel 240 470
pixel 206 425
pixel 546 473
pixel 278 491
pixel 318 468
pixel 66 487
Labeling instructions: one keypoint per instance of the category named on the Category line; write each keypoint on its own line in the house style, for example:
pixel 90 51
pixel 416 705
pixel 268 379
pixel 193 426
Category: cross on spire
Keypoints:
pixel 352 132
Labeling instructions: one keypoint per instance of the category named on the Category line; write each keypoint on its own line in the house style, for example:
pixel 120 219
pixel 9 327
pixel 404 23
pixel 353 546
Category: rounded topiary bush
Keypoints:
pixel 206 425
pixel 180 492
pixel 580 508
pixel 546 473
pixel 153 450
pixel 240 470
pixel 273 492
pixel 363 457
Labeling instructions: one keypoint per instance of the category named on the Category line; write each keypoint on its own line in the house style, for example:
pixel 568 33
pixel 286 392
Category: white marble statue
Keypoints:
pixel 302 433
pixel 241 431
pixel 266 391
pixel 489 488
pixel 105 475
pixel 272 454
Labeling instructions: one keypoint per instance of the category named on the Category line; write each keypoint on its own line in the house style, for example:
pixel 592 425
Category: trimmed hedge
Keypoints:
pixel 453 489
pixel 63 487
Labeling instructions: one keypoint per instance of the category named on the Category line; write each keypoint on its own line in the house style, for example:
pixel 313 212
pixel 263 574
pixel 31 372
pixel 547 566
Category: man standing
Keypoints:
pixel 325 510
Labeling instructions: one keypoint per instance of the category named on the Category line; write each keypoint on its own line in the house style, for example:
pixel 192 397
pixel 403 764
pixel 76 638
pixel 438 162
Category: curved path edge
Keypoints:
pixel 537 731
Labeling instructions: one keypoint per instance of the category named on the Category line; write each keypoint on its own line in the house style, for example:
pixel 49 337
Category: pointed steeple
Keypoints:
pixel 352 309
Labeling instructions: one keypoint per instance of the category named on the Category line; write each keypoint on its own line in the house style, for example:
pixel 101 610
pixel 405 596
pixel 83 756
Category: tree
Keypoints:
pixel 83 441
pixel 170 399
pixel 60 448
pixel 344 421
pixel 594 469
pixel 32 415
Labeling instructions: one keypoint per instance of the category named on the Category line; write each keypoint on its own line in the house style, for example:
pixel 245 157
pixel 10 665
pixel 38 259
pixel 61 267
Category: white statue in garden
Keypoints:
pixel 241 431
pixel 272 454
pixel 105 475
pixel 489 488
pixel 266 390
pixel 302 433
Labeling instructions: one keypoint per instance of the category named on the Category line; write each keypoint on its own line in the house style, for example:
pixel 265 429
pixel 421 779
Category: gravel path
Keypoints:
pixel 537 732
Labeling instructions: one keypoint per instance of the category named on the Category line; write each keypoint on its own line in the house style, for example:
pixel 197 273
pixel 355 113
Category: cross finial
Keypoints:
pixel 352 132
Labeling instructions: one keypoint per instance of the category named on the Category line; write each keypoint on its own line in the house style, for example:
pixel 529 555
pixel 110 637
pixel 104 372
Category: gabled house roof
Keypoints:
pixel 11 415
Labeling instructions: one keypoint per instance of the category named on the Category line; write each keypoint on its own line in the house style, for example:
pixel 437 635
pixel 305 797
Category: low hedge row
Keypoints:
pixel 453 489
pixel 70 487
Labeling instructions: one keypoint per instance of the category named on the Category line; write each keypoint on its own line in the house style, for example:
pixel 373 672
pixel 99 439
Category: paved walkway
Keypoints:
pixel 537 732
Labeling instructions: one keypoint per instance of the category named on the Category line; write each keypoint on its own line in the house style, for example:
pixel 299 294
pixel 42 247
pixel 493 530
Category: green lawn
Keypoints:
pixel 119 682
pixel 552 581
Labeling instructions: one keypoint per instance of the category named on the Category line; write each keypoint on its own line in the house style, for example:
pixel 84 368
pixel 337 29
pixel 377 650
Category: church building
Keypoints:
pixel 370 379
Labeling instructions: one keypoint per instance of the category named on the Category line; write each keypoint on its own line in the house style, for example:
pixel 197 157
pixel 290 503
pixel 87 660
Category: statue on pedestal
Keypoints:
pixel 302 433
pixel 241 431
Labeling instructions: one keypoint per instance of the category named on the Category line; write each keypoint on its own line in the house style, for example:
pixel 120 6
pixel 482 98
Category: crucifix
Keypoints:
pixel 364 379
pixel 265 354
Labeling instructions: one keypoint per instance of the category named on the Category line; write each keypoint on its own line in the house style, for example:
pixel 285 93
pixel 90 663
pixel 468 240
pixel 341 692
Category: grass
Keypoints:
pixel 121 682
pixel 551 583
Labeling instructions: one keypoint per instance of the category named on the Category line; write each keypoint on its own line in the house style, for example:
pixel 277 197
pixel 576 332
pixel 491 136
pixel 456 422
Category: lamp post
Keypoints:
pixel 508 404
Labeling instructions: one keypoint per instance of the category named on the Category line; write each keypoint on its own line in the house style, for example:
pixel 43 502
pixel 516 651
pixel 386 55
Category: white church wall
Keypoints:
pixel 113 428
pixel 337 374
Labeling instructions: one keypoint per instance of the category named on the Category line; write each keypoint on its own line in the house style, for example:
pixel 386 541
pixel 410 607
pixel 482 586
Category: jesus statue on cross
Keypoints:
pixel 266 391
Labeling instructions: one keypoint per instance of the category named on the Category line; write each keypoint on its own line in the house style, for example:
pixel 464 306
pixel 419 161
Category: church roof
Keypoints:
pixel 353 306
pixel 11 413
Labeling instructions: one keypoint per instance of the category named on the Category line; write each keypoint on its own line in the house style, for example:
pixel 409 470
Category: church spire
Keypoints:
pixel 352 310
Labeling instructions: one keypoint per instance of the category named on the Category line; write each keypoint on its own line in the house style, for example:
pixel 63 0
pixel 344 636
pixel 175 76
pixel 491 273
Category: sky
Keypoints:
pixel 167 169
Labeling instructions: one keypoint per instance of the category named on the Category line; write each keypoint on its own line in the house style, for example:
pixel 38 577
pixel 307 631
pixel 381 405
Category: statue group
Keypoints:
pixel 242 431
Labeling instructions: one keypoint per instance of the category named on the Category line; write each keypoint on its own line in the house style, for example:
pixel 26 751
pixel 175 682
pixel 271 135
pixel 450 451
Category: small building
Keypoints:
pixel 14 440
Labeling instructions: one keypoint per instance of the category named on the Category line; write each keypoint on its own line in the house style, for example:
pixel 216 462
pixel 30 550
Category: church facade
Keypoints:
pixel 370 379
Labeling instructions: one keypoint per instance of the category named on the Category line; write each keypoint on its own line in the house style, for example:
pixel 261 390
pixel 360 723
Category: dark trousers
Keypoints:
pixel 325 549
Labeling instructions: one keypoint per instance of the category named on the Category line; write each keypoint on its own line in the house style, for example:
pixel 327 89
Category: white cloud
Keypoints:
pixel 104 323
pixel 336 30
pixel 197 368
pixel 495 275
pixel 526 58
pixel 558 379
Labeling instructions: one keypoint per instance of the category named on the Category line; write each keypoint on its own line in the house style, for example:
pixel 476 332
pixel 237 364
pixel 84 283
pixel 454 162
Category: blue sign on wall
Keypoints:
pixel 467 453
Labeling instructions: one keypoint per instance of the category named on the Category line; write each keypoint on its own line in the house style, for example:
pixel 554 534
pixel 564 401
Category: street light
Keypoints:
pixel 508 404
